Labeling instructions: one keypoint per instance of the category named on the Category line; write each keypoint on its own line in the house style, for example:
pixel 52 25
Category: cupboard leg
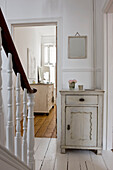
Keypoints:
pixel 99 152
pixel 63 151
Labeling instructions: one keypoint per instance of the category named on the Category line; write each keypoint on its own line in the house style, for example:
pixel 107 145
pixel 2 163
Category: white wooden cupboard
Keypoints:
pixel 44 98
pixel 81 120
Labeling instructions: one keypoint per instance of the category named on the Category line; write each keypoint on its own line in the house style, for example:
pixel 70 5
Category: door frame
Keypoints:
pixel 49 21
pixel 107 74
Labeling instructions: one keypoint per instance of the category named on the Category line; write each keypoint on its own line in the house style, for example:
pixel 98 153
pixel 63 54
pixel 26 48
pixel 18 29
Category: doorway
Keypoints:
pixel 36 45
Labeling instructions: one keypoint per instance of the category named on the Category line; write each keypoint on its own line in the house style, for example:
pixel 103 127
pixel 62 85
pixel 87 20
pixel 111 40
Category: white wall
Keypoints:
pixel 73 16
pixel 77 16
pixel 3 5
pixel 27 38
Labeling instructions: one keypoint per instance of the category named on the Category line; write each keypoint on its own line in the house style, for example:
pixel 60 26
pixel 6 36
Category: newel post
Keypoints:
pixel 30 132
pixel 10 126
pixel 1 137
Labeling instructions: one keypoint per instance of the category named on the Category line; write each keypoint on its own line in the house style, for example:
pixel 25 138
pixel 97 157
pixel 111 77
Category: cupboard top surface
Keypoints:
pixel 38 84
pixel 83 92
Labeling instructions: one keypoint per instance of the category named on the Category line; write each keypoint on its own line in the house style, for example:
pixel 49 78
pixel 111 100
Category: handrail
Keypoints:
pixel 9 47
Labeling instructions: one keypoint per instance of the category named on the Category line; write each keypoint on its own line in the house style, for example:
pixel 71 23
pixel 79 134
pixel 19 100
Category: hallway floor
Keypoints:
pixel 46 158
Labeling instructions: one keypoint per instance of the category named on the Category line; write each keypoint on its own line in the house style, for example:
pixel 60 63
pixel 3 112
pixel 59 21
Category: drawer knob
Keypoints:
pixel 81 99
pixel 68 127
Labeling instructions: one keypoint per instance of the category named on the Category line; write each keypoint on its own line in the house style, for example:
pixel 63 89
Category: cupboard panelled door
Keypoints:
pixel 81 126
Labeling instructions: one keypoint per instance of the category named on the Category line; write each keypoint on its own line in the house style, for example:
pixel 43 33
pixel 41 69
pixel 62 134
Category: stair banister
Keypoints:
pixel 14 62
pixel 1 137
pixel 18 118
pixel 24 140
pixel 10 125
pixel 9 47
pixel 30 132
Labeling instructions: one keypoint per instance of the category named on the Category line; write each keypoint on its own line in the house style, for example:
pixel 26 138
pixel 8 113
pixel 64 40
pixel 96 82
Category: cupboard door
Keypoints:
pixel 81 126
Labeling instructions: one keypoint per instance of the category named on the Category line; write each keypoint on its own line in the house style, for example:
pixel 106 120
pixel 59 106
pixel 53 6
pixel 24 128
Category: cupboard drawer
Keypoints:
pixel 79 100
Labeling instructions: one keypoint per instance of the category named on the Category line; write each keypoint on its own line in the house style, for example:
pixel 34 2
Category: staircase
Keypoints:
pixel 17 152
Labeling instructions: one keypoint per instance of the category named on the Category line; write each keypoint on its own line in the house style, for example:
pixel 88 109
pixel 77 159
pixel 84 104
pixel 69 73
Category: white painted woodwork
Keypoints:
pixel 44 143
pixel 61 162
pixel 21 103
pixel 51 153
pixel 108 159
pixel 18 139
pixel 72 160
pixel 98 162
pixel 10 126
pixel 107 73
pixel 50 156
pixel 38 164
pixel 82 120
pixel 74 100
pixel 41 147
pixel 30 132
pixel 37 143
pixel 43 97
pixel 1 137
pixel 48 165
pixel 109 80
pixel 83 126
pixel 8 161
pixel 24 140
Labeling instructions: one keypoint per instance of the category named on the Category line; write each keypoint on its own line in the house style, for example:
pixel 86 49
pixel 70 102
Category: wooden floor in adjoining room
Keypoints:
pixel 46 126
pixel 47 158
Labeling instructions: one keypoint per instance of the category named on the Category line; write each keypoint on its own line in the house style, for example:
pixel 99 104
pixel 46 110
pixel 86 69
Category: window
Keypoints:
pixel 49 54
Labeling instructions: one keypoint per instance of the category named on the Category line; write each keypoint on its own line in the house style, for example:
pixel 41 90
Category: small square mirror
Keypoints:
pixel 77 47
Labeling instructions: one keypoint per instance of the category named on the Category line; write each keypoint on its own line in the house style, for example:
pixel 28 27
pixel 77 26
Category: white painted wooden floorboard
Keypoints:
pixel 40 148
pixel 38 164
pixel 73 161
pixel 48 165
pixel 47 158
pixel 108 159
pixel 41 151
pixel 98 162
pixel 50 156
pixel 37 143
pixel 79 160
pixel 85 160
pixel 61 161
pixel 89 165
pixel 51 153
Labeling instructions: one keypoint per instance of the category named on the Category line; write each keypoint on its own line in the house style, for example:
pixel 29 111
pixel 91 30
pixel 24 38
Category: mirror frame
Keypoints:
pixel 77 57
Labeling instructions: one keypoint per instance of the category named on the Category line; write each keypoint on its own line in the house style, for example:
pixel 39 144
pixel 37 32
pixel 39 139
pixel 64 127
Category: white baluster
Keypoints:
pixel 24 141
pixel 30 132
pixel 10 125
pixel 18 117
pixel 1 128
